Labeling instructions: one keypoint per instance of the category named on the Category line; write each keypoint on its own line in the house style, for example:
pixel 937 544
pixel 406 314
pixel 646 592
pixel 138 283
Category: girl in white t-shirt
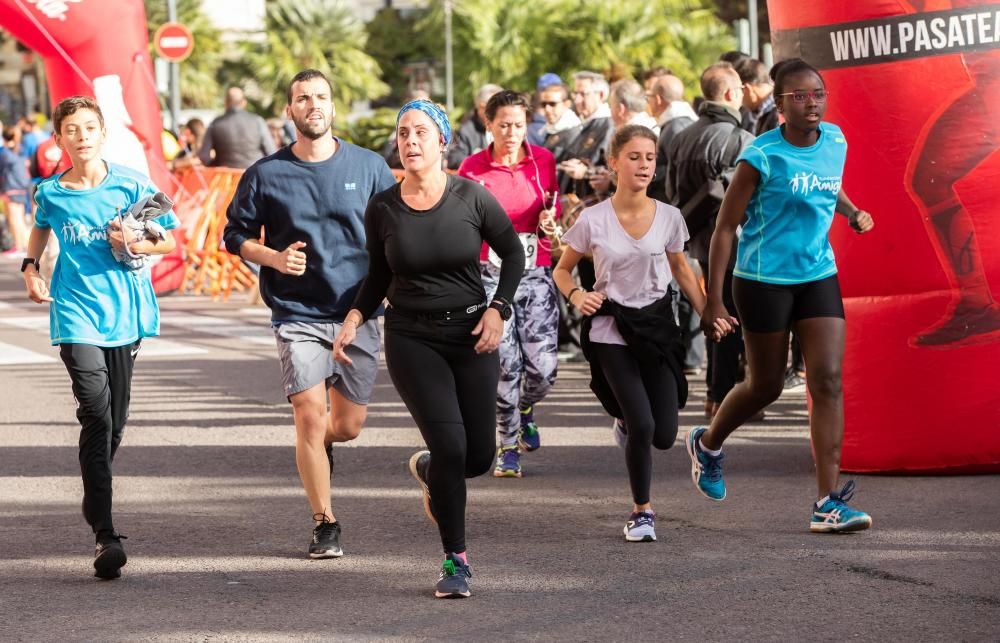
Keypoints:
pixel 637 244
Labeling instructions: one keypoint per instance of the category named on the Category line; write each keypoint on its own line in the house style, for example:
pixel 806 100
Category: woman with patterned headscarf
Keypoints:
pixel 441 334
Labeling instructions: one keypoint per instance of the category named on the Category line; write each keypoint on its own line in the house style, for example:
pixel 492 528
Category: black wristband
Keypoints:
pixel 569 296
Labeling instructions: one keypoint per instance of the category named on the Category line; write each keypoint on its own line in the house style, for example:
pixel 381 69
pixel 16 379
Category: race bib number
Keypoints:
pixel 530 242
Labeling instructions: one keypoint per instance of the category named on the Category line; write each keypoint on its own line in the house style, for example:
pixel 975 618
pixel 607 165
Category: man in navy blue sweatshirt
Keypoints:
pixel 309 199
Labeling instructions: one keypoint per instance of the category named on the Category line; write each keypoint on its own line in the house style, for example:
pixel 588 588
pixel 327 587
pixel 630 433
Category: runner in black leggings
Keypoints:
pixel 424 237
pixel 631 339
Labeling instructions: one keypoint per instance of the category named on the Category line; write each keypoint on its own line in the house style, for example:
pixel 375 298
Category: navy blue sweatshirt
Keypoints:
pixel 322 204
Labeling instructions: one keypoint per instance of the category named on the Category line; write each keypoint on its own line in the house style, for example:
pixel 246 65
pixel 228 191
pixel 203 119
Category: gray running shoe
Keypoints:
pixel 419 462
pixel 454 579
pixel 641 527
pixel 325 539
pixel 618 427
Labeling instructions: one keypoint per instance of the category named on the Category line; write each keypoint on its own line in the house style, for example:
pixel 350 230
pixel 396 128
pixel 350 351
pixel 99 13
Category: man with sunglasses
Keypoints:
pixel 561 123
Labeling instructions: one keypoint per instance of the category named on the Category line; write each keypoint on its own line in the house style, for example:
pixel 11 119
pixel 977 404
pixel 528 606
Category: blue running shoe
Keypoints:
pixel 641 527
pixel 454 579
pixel 618 427
pixel 508 463
pixel 706 470
pixel 528 437
pixel 835 516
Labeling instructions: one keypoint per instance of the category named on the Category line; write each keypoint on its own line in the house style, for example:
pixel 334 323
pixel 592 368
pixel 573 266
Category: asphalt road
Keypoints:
pixel 206 490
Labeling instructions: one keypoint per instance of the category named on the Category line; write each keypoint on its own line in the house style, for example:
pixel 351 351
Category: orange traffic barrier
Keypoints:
pixel 200 204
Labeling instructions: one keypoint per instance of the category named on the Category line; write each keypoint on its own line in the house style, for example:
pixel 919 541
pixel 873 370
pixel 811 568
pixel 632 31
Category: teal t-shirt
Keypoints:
pixel 785 238
pixel 96 299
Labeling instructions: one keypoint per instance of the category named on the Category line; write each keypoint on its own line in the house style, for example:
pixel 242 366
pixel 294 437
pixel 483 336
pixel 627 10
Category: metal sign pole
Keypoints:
pixel 175 76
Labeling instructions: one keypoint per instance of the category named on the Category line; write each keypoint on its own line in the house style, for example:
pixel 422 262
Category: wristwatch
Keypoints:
pixel 505 309
pixel 30 261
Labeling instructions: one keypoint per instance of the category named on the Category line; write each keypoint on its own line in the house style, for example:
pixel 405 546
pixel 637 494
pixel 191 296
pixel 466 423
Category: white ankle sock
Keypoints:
pixel 714 454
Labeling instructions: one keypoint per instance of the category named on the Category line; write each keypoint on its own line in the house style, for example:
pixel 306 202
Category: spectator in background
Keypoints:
pixel 237 138
pixel 758 96
pixel 191 140
pixel 536 127
pixel 587 150
pixel 561 123
pixel 699 169
pixel 472 135
pixel 31 137
pixel 277 128
pixel 666 103
pixel 627 102
pixel 15 184
pixel 650 76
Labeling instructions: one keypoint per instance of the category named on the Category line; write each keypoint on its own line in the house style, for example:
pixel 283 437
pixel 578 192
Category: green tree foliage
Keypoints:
pixel 513 42
pixel 318 34
pixel 392 44
pixel 199 73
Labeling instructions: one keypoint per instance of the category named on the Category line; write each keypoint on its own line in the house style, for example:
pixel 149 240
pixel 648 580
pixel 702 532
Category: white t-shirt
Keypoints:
pixel 630 272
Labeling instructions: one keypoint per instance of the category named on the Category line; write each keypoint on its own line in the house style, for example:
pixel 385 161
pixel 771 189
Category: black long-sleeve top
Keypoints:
pixel 427 261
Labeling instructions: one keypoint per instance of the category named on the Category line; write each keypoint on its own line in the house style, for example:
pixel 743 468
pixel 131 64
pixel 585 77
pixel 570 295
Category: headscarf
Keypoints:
pixel 435 113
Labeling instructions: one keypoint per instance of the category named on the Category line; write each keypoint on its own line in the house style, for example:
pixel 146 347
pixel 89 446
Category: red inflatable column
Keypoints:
pixel 99 48
pixel 916 88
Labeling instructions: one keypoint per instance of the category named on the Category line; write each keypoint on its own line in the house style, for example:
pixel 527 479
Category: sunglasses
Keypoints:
pixel 818 95
pixel 550 103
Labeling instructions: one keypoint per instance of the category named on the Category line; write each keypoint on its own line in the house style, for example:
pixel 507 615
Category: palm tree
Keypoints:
pixel 318 34
pixel 513 42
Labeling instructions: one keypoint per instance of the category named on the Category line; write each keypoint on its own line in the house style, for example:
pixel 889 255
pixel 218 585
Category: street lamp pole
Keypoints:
pixel 175 75
pixel 448 68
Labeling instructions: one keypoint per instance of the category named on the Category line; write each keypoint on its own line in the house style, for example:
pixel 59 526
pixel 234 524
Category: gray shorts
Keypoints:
pixel 305 350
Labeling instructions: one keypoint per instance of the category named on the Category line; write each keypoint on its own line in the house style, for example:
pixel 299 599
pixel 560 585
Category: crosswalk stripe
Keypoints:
pixel 151 346
pixel 11 354
pixel 222 327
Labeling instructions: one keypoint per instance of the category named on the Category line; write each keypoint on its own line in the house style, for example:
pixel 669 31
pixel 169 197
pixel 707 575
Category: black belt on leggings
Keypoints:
pixel 442 315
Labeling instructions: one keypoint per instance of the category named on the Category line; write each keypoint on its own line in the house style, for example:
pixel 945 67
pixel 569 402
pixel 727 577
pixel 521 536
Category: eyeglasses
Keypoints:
pixel 818 95
pixel 585 93
pixel 550 103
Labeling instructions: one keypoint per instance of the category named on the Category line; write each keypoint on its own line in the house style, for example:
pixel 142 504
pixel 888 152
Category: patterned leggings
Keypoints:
pixel 529 348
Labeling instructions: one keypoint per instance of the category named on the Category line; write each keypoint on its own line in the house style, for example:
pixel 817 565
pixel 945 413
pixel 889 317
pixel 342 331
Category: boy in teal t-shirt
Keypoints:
pixel 99 309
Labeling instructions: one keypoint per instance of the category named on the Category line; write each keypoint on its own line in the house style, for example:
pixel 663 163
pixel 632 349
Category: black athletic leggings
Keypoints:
pixel 102 386
pixel 647 395
pixel 451 392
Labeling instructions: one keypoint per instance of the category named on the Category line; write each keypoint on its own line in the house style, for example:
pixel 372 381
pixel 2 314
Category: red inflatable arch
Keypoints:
pixel 915 85
pixel 99 48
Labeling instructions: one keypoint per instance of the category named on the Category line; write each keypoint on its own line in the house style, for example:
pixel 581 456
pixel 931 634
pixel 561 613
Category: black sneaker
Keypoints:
pixel 329 457
pixel 419 462
pixel 326 539
pixel 109 557
pixel 454 579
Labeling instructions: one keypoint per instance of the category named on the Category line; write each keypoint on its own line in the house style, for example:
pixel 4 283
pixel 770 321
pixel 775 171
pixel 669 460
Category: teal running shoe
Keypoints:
pixel 836 516
pixel 706 470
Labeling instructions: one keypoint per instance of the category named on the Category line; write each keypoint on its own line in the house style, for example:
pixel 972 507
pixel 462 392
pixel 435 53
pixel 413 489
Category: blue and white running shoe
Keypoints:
pixel 641 527
pixel 528 437
pixel 835 516
pixel 706 470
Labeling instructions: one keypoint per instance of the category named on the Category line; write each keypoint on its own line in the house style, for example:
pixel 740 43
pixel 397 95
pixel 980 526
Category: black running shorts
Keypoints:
pixel 770 308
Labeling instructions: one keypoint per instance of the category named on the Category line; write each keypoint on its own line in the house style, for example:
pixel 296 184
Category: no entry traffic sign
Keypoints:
pixel 173 42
